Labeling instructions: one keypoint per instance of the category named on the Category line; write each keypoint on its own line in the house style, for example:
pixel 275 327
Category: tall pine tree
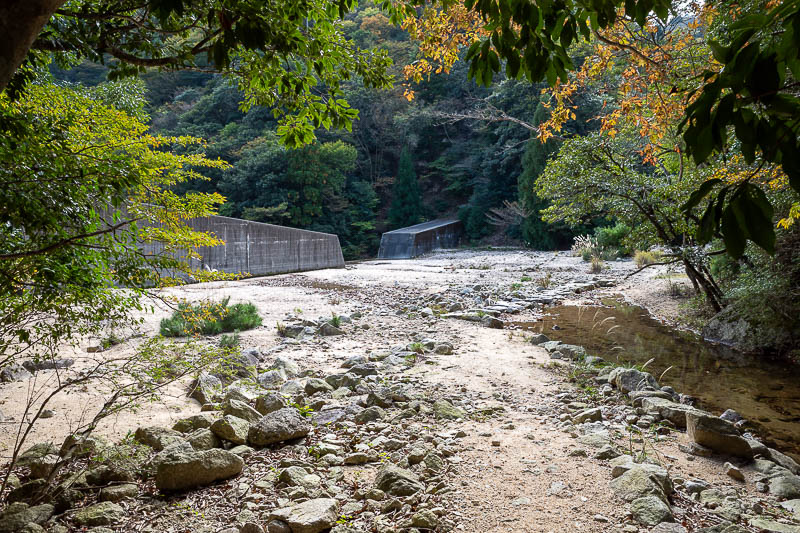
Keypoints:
pixel 406 207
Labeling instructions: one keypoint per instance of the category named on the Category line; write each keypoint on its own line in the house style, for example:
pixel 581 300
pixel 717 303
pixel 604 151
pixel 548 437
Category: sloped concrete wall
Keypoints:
pixel 406 243
pixel 260 249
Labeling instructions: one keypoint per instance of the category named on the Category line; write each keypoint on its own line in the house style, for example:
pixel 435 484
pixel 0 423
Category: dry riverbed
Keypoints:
pixel 448 421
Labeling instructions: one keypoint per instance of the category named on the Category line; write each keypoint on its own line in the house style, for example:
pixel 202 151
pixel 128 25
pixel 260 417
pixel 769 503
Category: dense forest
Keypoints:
pixel 347 182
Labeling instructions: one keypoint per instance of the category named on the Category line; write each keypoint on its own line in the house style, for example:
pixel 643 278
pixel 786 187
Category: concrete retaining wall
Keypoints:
pixel 260 249
pixel 405 243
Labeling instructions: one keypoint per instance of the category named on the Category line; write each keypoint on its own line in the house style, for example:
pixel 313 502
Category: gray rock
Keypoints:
pixel 47 364
pixel 289 368
pixel 347 380
pixel 669 410
pixel 445 410
pixel 538 338
pixel 642 480
pixel 650 510
pixel 771 526
pixel 291 388
pixel 17 514
pixel 241 410
pixel 443 348
pixel 283 424
pixel 100 514
pixel 783 460
pixel 630 379
pixel 329 416
pixel 293 331
pixel 793 506
pixel 588 415
pixel 14 372
pixel 370 414
pixel 311 516
pixel 717 434
pixel 367 369
pixel 232 429
pixel 205 387
pixel 268 403
pixel 492 322
pixel 785 487
pixel 329 330
pixel 116 493
pixel 271 379
pixel 194 422
pixel 203 439
pixel 397 481
pixel 733 472
pixel 158 438
pixel 315 385
pixel 183 470
pixel 668 527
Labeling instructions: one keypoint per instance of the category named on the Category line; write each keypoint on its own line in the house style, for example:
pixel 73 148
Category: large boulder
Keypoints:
pixel 99 514
pixel 311 516
pixel 287 366
pixel 270 402
pixel 34 366
pixel 785 486
pixel 203 439
pixel 195 422
pixel 630 379
pixel 271 379
pixel 397 481
pixel 669 410
pixel 158 438
pixel 639 481
pixel 241 410
pixel 232 429
pixel 283 424
pixel 650 511
pixel 716 434
pixel 185 470
pixel 16 515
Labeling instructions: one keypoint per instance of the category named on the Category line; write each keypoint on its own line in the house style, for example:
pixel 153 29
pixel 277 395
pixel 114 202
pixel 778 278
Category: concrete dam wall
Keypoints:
pixel 405 243
pixel 260 249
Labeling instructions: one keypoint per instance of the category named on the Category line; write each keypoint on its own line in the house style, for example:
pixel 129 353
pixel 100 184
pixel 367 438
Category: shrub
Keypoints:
pixel 597 264
pixel 210 318
pixel 611 237
pixel 584 246
pixel 644 258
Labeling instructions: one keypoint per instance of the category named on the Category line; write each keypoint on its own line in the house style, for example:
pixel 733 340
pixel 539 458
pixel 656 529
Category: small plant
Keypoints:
pixel 597 265
pixel 515 287
pixel 545 282
pixel 112 339
pixel 229 341
pixel 411 358
pixel 210 318
pixel 584 246
pixel 335 320
pixel 525 278
pixel 416 347
pixel 298 311
pixel 281 329
pixel 306 410
pixel 644 258
pixel 481 313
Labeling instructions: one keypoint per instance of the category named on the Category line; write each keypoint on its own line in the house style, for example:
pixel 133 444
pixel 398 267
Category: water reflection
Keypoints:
pixel 765 392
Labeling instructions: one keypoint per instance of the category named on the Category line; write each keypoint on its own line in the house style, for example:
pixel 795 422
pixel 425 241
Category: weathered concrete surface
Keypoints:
pixel 405 243
pixel 258 249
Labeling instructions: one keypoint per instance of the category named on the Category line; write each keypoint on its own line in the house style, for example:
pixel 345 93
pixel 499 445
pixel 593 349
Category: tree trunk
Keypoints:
pixel 20 24
pixel 709 287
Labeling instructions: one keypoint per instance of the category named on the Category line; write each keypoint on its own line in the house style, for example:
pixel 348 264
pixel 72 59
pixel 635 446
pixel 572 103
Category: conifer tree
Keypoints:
pixel 406 207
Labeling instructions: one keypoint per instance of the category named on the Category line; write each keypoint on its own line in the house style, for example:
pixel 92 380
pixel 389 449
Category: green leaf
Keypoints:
pixel 700 193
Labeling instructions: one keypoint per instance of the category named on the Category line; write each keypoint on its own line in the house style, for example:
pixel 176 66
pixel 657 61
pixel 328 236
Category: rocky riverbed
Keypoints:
pixel 416 409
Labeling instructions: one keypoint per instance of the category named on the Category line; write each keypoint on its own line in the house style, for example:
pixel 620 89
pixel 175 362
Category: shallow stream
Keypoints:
pixel 765 392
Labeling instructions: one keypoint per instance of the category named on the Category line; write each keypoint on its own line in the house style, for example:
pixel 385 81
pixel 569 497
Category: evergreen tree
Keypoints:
pixel 406 207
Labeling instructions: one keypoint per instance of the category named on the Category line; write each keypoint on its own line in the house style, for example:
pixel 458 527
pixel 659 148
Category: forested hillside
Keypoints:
pixel 344 183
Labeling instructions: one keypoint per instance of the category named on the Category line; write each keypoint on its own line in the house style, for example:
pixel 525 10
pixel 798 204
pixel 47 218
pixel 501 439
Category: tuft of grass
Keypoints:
pixel 229 341
pixel 643 258
pixel 416 347
pixel 210 318
pixel 335 320
pixel 525 278
pixel 545 282
pixel 597 265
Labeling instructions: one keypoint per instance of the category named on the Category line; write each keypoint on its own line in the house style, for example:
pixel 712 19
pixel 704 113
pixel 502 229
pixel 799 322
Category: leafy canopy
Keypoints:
pixel 82 185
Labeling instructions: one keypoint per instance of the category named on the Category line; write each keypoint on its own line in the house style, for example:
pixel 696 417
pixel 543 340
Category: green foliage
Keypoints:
pixel 612 237
pixel 406 207
pixel 79 180
pixel 250 40
pixel 210 318
pixel 335 320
